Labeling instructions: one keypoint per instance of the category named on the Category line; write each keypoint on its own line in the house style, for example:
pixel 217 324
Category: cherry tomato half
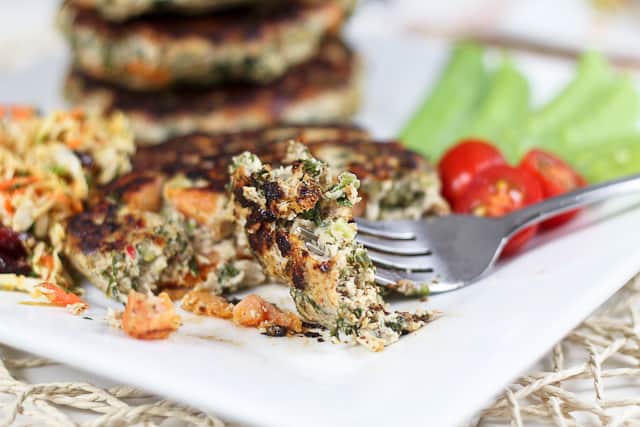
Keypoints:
pixel 555 177
pixel 498 190
pixel 461 162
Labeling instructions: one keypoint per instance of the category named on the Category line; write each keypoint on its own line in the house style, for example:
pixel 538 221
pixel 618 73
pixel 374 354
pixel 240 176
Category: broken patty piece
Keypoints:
pixel 331 277
pixel 120 249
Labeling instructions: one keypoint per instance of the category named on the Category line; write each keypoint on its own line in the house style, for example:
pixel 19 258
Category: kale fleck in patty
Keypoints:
pixel 324 89
pixel 119 10
pixel 158 51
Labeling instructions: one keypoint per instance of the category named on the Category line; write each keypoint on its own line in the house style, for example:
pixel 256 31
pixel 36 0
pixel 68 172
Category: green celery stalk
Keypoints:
pixel 505 107
pixel 432 128
pixel 592 74
pixel 609 159
pixel 615 113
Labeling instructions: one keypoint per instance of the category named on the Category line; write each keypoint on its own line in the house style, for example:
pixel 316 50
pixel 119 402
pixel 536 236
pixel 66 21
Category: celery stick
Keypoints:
pixel 609 159
pixel 434 124
pixel 615 113
pixel 592 74
pixel 505 107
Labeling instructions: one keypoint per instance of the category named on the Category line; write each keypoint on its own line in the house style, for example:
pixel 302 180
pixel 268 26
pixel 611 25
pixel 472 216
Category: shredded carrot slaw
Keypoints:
pixel 43 180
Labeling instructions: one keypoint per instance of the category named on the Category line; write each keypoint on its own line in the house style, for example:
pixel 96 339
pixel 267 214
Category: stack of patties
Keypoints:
pixel 180 66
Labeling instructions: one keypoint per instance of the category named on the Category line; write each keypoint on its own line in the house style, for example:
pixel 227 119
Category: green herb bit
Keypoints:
pixel 345 180
pixel 312 167
pixel 193 267
pixel 61 171
pixel 227 271
pixel 312 214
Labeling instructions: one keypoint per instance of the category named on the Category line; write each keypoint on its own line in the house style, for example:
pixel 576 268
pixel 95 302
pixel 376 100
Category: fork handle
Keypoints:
pixel 548 208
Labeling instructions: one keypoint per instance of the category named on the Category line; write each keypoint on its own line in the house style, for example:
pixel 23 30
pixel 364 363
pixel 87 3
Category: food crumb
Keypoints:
pixel 77 308
pixel 113 318
pixel 254 311
pixel 149 317
pixel 204 303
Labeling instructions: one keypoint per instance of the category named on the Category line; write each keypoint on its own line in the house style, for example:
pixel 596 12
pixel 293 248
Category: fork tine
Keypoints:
pixel 395 230
pixel 307 235
pixel 400 247
pixel 387 276
pixel 413 263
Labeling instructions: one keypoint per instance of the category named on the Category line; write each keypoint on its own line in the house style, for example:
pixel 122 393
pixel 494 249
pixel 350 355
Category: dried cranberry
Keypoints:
pixel 13 255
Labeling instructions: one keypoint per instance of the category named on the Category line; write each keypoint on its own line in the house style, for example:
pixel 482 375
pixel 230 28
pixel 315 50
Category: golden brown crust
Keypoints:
pixel 333 69
pixel 101 228
pixel 159 51
pixel 208 156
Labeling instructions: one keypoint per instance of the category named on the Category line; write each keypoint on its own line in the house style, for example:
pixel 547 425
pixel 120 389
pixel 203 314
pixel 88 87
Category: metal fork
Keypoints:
pixel 453 251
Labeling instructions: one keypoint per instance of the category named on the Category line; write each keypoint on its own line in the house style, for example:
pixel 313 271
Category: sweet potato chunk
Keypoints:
pixel 254 311
pixel 149 317
pixel 206 304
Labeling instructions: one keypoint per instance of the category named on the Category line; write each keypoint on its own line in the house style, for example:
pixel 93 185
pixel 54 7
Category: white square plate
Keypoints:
pixel 439 376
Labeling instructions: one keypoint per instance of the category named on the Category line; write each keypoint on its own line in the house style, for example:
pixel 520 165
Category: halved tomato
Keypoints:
pixel 497 191
pixel 555 177
pixel 461 162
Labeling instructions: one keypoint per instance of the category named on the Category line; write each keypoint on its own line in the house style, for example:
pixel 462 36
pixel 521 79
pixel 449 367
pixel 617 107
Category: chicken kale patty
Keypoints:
pixel 324 89
pixel 186 181
pixel 395 182
pixel 298 222
pixel 163 50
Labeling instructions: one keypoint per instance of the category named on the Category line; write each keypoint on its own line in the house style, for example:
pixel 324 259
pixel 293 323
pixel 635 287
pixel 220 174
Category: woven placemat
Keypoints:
pixel 53 403
pixel 591 378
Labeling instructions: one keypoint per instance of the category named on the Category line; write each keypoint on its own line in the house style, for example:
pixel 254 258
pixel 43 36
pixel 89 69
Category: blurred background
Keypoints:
pixel 34 58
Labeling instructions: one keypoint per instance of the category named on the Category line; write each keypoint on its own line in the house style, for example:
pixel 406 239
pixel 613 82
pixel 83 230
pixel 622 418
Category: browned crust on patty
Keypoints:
pixel 101 229
pixel 333 68
pixel 121 10
pixel 234 24
pixel 208 156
